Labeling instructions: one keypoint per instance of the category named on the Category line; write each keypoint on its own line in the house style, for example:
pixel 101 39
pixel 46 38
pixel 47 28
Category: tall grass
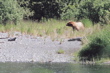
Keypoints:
pixel 53 28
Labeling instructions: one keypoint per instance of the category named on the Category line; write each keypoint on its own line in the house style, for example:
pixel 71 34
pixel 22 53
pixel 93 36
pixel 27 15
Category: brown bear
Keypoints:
pixel 76 25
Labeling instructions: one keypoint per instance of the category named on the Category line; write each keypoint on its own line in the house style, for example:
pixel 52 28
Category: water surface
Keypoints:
pixel 52 68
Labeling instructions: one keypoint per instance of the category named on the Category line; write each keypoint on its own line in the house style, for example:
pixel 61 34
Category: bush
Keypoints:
pixel 94 10
pixel 94 49
pixel 98 47
pixel 10 10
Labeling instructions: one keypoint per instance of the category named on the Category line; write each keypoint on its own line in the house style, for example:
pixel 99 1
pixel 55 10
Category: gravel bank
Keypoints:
pixel 37 49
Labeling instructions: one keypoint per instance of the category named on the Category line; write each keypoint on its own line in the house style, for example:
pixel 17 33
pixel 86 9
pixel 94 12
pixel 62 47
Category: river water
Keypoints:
pixel 52 68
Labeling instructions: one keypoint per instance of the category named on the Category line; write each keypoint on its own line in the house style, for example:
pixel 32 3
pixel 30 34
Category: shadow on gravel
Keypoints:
pixel 76 39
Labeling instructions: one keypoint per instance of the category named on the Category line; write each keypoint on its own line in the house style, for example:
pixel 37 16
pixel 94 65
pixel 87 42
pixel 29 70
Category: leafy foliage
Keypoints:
pixel 95 10
pixel 94 49
pixel 11 11
pixel 45 9
pixel 98 47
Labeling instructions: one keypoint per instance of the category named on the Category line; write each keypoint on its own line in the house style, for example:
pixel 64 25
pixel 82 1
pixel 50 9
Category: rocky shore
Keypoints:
pixel 26 48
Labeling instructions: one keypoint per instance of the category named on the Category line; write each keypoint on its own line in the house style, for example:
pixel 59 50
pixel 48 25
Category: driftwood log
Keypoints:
pixel 12 39
pixel 76 39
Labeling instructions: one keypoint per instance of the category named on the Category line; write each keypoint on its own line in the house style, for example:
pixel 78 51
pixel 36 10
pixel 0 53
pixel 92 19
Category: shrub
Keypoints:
pixel 94 49
pixel 98 46
pixel 94 10
pixel 10 10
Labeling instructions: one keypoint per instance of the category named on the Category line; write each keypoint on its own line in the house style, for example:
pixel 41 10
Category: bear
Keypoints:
pixel 76 25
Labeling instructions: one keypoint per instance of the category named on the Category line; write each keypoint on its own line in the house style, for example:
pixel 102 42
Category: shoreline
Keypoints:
pixel 27 48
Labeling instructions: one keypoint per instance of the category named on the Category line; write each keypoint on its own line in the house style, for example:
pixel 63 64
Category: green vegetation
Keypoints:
pixel 56 29
pixel 60 51
pixel 12 12
pixel 94 10
pixel 98 46
pixel 75 10
pixel 87 22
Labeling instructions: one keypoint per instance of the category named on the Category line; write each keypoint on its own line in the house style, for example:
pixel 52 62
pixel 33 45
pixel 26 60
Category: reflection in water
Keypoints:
pixel 52 68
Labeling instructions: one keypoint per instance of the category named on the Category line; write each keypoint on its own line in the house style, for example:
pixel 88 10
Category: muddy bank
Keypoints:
pixel 37 49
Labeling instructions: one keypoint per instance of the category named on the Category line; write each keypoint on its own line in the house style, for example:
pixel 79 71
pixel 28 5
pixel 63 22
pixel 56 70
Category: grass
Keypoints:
pixel 53 28
pixel 56 29
pixel 60 51
pixel 87 22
